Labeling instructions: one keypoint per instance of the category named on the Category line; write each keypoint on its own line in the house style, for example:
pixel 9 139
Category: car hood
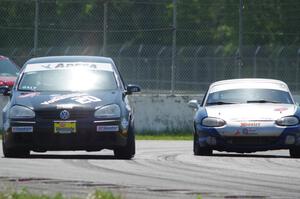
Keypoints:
pixel 67 100
pixel 247 112
pixel 7 80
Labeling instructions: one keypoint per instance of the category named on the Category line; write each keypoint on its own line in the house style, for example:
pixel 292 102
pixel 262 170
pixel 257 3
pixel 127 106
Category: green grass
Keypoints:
pixel 24 194
pixel 156 136
pixel 164 136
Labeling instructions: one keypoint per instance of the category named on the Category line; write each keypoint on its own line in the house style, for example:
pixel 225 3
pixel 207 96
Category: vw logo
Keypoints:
pixel 64 115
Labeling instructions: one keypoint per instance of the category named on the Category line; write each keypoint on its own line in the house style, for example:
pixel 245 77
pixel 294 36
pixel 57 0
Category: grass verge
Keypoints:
pixel 155 136
pixel 164 136
pixel 24 194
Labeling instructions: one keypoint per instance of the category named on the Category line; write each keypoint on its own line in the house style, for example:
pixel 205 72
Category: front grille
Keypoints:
pixel 54 114
pixel 250 140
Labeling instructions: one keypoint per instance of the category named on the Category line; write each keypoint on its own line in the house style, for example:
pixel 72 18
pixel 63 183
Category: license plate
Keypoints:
pixel 64 127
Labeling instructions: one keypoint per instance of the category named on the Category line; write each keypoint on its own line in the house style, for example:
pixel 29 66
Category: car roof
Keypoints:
pixel 258 83
pixel 3 57
pixel 72 58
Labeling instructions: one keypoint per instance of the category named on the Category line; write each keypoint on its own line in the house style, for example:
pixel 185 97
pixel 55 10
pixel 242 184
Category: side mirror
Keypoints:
pixel 5 90
pixel 131 88
pixel 193 104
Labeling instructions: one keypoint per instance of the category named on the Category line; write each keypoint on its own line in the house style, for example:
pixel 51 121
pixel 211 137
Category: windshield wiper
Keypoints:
pixel 262 101
pixel 219 103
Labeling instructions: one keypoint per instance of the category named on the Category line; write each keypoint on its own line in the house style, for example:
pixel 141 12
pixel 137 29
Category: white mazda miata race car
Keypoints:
pixel 246 115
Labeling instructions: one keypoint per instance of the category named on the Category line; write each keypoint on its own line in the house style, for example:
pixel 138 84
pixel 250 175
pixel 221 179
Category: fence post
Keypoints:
pixel 173 67
pixel 139 65
pixel 297 70
pixel 157 67
pixel 196 76
pixel 104 29
pixel 278 63
pixel 255 61
pixel 36 24
pixel 215 65
pixel 240 55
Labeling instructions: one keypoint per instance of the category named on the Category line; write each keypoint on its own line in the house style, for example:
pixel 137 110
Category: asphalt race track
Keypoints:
pixel 160 169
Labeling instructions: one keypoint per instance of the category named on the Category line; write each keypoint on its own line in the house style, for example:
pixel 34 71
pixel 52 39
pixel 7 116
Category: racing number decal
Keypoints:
pixel 78 97
pixel 86 99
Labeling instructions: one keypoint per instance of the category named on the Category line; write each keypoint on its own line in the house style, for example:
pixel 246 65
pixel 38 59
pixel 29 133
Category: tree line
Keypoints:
pixel 149 22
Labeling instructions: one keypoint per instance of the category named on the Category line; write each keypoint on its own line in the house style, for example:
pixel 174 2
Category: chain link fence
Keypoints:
pixel 170 46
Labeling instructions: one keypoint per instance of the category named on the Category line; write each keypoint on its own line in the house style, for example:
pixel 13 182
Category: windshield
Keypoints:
pixel 7 68
pixel 235 96
pixel 68 80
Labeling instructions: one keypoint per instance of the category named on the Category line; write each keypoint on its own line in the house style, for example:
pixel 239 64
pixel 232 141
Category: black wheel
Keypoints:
pixel 295 152
pixel 201 151
pixel 14 152
pixel 128 151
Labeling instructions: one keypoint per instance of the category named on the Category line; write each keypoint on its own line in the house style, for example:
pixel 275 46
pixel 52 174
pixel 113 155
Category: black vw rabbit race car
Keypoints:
pixel 68 103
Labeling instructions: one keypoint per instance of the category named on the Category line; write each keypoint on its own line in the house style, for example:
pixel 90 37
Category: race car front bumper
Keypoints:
pixel 210 137
pixel 44 136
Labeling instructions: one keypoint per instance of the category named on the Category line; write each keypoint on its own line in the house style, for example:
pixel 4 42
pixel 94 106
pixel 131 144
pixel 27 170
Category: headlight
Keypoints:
pixel 21 112
pixel 213 122
pixel 287 121
pixel 109 111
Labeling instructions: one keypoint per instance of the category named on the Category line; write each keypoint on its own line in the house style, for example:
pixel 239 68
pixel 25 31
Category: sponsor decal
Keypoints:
pixel 245 131
pixel 32 88
pixel 250 124
pixel 76 65
pixel 107 128
pixel 22 129
pixel 281 109
pixel 237 133
pixel 46 66
pixel 64 106
pixel 69 65
pixel 249 131
pixel 81 98
pixel 61 97
pixel 86 99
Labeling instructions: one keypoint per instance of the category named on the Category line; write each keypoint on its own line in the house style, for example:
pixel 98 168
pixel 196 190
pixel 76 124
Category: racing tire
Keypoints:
pixel 201 151
pixel 14 152
pixel 295 152
pixel 128 151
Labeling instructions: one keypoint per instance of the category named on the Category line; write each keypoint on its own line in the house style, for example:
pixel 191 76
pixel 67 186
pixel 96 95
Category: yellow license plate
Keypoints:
pixel 65 127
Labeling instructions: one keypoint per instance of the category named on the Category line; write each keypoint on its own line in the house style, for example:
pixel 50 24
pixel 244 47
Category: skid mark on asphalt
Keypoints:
pixel 256 180
pixel 80 187
pixel 182 173
pixel 200 168
pixel 161 170
pixel 211 175
pixel 98 168
pixel 160 180
pixel 286 165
